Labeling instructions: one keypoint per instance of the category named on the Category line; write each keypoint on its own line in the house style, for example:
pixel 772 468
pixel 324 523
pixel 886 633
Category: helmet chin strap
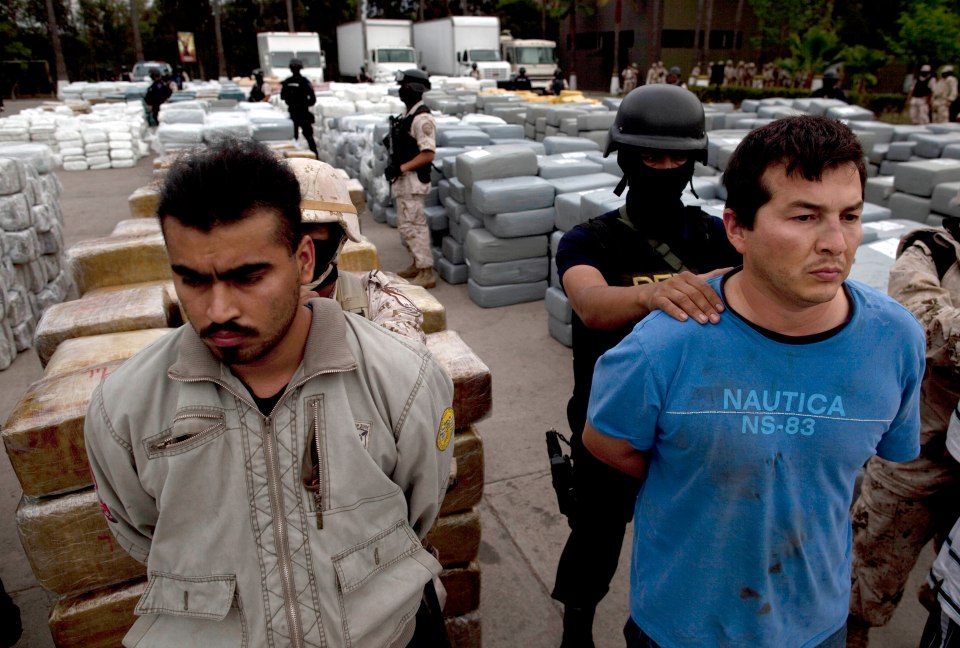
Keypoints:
pixel 332 264
pixel 621 186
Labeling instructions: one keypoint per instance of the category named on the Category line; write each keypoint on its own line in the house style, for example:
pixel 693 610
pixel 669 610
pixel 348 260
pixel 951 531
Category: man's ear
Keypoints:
pixel 306 258
pixel 734 230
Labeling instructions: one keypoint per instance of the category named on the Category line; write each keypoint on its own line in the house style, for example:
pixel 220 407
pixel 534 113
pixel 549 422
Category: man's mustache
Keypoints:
pixel 226 327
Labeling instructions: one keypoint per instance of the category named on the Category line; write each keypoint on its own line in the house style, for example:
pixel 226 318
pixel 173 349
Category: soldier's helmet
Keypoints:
pixel 324 197
pixel 416 80
pixel 296 65
pixel 660 117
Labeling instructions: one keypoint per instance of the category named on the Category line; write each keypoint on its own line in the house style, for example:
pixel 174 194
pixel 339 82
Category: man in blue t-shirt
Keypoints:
pixel 749 433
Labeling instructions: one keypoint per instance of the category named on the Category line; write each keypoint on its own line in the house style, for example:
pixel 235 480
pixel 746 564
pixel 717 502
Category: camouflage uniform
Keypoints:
pixel 409 194
pixel 944 94
pixel 373 295
pixel 902 506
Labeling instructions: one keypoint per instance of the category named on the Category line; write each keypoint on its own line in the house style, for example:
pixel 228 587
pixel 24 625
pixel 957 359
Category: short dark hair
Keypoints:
pixel 224 182
pixel 804 145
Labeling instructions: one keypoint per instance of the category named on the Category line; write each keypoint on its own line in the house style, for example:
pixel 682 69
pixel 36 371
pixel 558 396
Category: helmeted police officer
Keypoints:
pixel 297 92
pixel 615 269
pixel 412 142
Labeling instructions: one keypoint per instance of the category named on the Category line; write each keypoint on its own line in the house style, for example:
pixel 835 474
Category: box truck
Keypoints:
pixel 382 47
pixel 450 46
pixel 277 48
pixel 537 57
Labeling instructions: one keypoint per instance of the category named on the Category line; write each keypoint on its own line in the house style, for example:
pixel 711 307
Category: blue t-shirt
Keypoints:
pixel 742 532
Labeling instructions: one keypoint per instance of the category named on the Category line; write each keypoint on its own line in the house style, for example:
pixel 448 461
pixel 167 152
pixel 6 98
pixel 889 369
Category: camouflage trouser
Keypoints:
pixel 890 529
pixel 941 111
pixel 919 111
pixel 413 228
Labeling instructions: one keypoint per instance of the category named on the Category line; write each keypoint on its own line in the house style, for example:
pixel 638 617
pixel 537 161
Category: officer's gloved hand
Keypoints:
pixel 392 172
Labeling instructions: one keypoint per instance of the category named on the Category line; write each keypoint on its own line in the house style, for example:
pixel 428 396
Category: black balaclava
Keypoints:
pixel 409 96
pixel 654 194
pixel 325 255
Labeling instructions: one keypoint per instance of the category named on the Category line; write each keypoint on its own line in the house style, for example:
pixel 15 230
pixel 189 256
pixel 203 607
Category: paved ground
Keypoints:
pixel 522 531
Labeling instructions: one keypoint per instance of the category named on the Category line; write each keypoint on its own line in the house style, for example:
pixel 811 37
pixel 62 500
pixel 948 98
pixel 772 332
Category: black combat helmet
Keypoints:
pixel 660 117
pixel 416 80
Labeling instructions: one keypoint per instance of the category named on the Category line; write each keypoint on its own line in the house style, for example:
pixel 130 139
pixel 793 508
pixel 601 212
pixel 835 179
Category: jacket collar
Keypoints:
pixel 413 108
pixel 326 349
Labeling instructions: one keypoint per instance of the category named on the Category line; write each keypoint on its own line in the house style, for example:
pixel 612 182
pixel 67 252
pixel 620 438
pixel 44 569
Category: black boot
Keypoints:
pixel 577 627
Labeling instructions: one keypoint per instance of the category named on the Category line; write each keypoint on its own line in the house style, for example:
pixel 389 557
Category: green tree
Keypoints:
pixel 861 64
pixel 929 33
pixel 779 21
pixel 812 53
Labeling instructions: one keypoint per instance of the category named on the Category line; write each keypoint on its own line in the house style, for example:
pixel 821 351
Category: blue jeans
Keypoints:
pixel 637 638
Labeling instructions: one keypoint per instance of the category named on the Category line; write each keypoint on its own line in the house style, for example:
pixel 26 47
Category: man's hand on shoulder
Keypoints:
pixel 686 295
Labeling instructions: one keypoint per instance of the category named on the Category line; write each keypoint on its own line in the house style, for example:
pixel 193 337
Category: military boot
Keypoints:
pixel 425 278
pixel 409 272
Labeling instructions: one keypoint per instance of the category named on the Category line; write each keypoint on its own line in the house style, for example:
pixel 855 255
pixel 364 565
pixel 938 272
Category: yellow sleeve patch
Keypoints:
pixel 445 433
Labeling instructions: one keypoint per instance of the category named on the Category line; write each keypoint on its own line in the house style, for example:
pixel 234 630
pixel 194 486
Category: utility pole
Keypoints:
pixel 135 23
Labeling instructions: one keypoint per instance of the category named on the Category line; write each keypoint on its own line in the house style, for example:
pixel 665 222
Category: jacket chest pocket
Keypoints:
pixel 191 428
pixel 380 584
pixel 188 611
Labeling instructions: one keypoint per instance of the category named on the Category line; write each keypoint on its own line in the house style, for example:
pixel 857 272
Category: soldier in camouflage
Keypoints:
pixel 902 506
pixel 330 219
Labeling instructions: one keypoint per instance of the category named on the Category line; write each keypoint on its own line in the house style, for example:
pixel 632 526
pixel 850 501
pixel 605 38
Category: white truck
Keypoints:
pixel 538 57
pixel 382 47
pixel 450 46
pixel 275 50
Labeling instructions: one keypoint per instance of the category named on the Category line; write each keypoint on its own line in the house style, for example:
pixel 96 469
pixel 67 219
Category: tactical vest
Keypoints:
pixel 404 146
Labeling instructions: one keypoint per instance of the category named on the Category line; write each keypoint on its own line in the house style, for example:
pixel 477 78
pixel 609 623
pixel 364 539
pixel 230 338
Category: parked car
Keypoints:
pixel 141 71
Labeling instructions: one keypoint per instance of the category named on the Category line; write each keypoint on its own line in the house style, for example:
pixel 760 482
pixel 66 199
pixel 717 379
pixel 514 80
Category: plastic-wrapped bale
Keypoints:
pixel 878 190
pixel 462 584
pixel 891 230
pixel 12 175
pixel 598 203
pixel 466 488
pixel 180 135
pixel 562 144
pixel 584 182
pixel 931 145
pixel 8 345
pixel 43 435
pixel 92 350
pixel 944 199
pixel 472 389
pixel 137 227
pixel 559 316
pixel 40 156
pixel 21 247
pixel 273 128
pixel 522 223
pixel 505 294
pixel 118 260
pixel 483 247
pixel 567 164
pixel 511 194
pixel 452 250
pixel 501 273
pixel 502 161
pixel 15 212
pixel 503 131
pixel 109 312
pixel 900 151
pixel 568 212
pixel 69 546
pixel 850 113
pixel 873 262
pixel 909 207
pixel 919 178
pixel 97 619
pixel 219 125
pixel 456 537
pixel 462 137
pixel 358 256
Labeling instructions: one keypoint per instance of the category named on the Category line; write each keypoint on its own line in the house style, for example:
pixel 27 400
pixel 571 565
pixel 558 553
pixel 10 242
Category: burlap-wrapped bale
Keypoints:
pixel 472 389
pixel 466 487
pixel 456 537
pixel 464 631
pixel 434 313
pixel 43 435
pixel 107 312
pixel 83 352
pixel 359 256
pixel 175 314
pixel 70 547
pixel 463 589
pixel 143 202
pixel 101 618
pixel 136 227
pixel 118 260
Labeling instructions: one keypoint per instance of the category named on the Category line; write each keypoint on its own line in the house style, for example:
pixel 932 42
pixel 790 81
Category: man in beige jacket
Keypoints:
pixel 276 467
